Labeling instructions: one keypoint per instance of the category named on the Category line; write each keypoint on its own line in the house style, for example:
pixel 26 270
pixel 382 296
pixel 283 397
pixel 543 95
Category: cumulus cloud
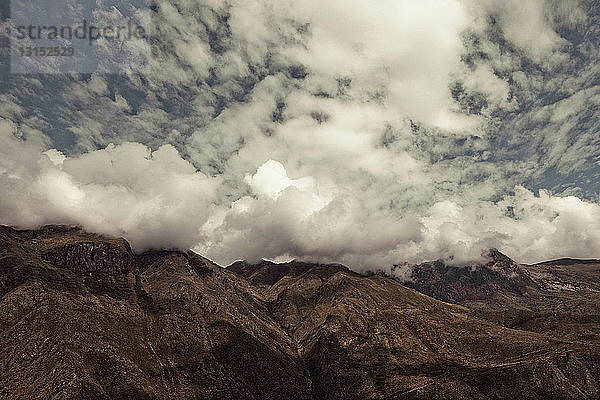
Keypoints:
pixel 368 134
pixel 153 198
pixel 528 227
pixel 271 179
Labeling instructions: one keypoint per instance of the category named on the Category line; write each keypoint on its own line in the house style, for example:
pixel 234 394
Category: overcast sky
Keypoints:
pixel 367 133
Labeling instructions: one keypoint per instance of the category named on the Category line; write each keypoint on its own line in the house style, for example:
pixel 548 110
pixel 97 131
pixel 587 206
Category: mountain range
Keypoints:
pixel 84 317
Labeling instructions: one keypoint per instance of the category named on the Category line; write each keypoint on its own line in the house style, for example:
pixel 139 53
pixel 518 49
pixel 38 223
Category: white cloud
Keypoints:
pixel 407 47
pixel 271 179
pixel 526 23
pixel 324 131
pixel 155 199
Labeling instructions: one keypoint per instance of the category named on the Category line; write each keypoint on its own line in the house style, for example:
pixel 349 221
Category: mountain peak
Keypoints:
pixel 503 264
pixel 496 274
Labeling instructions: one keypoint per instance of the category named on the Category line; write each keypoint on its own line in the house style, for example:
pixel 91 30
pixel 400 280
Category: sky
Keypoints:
pixel 365 133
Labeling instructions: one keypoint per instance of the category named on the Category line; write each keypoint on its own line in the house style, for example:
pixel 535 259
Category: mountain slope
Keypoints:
pixel 559 298
pixel 84 317
pixel 456 284
pixel 374 337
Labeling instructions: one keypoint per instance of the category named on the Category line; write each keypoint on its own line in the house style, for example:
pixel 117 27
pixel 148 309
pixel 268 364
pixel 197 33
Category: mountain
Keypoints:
pixel 83 317
pixel 456 284
pixel 559 298
pixel 569 261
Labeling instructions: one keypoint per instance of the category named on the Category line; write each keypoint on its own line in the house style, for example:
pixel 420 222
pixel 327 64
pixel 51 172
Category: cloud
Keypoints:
pixel 368 134
pixel 529 228
pixel 531 25
pixel 290 217
pixel 404 48
pixel 153 198
pixel 271 179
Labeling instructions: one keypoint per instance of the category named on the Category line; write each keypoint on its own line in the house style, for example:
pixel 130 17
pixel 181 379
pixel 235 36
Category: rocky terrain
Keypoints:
pixel 455 284
pixel 83 317
pixel 559 298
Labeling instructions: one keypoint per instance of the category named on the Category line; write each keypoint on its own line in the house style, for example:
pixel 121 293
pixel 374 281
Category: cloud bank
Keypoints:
pixel 368 134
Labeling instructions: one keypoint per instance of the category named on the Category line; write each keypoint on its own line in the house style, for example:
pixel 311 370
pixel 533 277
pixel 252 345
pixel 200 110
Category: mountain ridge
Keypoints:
pixel 456 283
pixel 85 317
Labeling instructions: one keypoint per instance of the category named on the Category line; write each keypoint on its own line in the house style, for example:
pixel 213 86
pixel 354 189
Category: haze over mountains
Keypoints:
pixel 85 317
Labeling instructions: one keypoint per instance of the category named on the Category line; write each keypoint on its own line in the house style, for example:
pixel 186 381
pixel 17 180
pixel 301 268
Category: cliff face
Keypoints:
pixel 84 317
